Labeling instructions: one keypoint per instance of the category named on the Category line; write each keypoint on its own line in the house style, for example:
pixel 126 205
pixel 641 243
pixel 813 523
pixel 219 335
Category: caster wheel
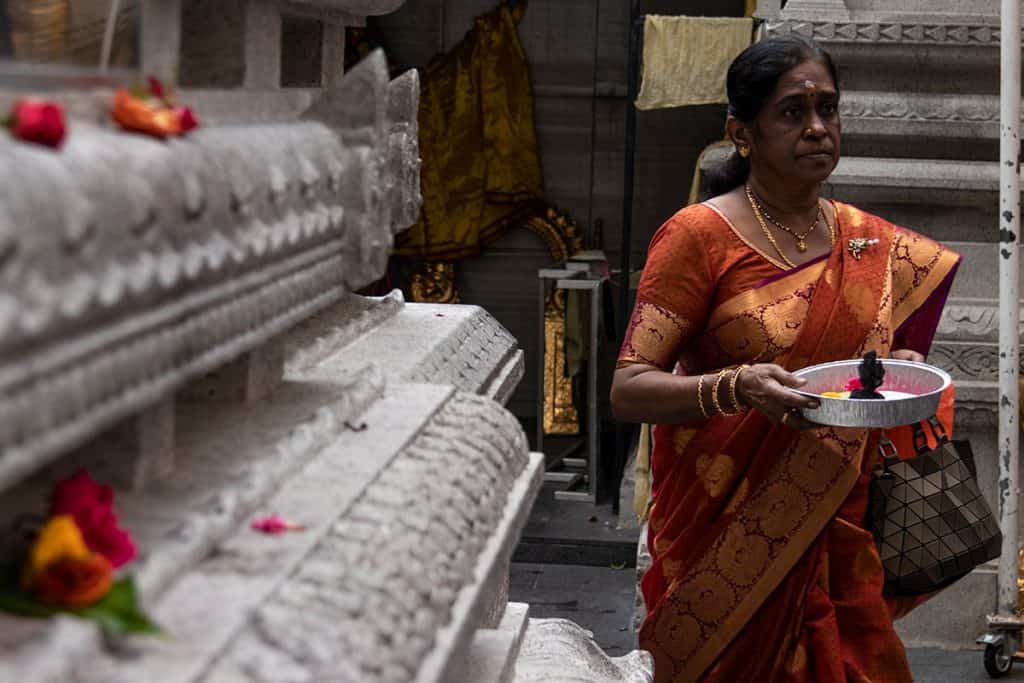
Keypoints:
pixel 997 664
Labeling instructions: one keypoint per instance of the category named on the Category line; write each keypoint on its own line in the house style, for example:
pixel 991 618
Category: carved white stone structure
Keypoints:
pixel 920 111
pixel 179 317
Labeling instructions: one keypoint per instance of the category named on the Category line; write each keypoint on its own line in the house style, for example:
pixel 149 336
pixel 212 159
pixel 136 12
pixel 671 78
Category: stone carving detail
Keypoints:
pixel 461 360
pixel 560 651
pixel 968 109
pixel 149 263
pixel 365 605
pixel 365 314
pixel 874 32
pixel 967 361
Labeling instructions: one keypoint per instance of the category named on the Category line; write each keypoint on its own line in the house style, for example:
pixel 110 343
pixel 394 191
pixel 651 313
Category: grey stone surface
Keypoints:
pixel 211 276
pixel 561 651
pixel 150 263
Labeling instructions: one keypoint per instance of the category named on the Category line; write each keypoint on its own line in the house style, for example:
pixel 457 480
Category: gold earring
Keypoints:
pixel 744 151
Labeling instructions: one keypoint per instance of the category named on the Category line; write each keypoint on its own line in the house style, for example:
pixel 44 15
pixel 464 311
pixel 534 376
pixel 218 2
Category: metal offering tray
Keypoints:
pixel 924 382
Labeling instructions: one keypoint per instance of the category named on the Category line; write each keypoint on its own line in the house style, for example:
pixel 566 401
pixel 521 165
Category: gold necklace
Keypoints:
pixel 764 226
pixel 801 240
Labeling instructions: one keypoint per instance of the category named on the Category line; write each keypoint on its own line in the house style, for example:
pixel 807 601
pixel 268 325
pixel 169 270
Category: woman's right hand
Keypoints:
pixel 767 388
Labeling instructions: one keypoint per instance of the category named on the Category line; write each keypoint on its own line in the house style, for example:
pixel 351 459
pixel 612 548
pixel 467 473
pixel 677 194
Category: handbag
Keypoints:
pixel 930 522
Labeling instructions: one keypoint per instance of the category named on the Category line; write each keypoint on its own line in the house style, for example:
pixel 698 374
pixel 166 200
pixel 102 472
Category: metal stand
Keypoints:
pixel 581 476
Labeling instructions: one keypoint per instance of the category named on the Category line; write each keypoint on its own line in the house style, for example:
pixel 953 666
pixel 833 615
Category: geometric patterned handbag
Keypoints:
pixel 931 524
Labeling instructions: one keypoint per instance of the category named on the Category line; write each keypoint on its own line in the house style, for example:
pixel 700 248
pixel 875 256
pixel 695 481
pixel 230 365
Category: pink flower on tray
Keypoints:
pixel 854 384
pixel 275 525
pixel 91 505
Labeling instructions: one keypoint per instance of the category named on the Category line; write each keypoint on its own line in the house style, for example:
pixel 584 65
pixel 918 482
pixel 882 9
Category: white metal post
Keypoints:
pixel 1009 297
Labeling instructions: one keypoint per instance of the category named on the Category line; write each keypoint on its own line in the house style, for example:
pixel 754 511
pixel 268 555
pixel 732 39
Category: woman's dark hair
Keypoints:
pixel 753 76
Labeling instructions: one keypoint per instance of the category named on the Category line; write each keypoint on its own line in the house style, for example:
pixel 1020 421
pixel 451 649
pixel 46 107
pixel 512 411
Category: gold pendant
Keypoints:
pixel 802 246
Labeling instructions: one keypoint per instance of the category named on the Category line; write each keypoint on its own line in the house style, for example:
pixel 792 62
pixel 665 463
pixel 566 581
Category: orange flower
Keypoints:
pixel 62 571
pixel 74 583
pixel 135 114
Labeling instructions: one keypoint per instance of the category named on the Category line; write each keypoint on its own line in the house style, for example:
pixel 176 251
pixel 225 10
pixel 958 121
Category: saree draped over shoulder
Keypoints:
pixel 762 567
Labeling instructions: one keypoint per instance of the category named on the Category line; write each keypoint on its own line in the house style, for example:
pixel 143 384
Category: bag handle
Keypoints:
pixel 938 431
pixel 887 449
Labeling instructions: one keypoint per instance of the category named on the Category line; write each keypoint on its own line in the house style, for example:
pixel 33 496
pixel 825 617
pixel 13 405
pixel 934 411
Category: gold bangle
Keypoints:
pixel 732 389
pixel 714 392
pixel 700 397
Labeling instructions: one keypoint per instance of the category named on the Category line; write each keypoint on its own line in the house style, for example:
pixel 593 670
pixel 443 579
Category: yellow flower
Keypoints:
pixel 59 539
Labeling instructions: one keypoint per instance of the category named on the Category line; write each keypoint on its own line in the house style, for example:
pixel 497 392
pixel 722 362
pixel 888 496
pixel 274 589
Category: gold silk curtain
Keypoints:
pixel 481 170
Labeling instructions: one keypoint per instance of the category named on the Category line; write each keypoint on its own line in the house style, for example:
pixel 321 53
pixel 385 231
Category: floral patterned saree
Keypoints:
pixel 762 568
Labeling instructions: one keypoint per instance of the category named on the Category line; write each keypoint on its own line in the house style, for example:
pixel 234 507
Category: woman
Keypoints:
pixel 763 569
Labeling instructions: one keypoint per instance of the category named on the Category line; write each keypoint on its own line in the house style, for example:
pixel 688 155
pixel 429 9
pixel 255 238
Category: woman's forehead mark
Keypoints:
pixel 810 88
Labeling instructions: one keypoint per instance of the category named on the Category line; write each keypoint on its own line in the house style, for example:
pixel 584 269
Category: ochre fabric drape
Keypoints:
pixel 757 531
pixel 686 59
pixel 481 170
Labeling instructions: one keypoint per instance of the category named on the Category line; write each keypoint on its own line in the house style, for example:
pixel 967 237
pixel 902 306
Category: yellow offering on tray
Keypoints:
pixel 836 394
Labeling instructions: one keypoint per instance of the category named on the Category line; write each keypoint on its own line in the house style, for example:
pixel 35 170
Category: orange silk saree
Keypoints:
pixel 762 568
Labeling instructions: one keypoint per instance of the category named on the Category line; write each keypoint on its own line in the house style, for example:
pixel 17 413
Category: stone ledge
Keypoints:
pixel 920 115
pixel 429 343
pixel 151 263
pixel 265 626
pixel 491 658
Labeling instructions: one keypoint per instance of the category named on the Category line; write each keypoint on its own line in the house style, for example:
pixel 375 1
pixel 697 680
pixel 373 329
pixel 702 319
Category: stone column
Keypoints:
pixel 262 45
pixel 161 39
pixel 332 54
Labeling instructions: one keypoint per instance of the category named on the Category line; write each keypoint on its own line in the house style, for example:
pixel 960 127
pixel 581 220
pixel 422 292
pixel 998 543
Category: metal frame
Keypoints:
pixel 581 476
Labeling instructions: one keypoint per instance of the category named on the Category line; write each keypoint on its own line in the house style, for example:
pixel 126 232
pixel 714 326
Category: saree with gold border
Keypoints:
pixel 762 566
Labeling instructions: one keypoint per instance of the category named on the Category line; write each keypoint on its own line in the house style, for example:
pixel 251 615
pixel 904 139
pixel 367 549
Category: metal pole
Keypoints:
pixel 1009 297
pixel 626 245
pixel 629 174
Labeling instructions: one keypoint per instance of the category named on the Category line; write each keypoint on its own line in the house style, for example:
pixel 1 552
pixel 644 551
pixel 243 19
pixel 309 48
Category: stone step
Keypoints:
pixel 953 201
pixel 919 125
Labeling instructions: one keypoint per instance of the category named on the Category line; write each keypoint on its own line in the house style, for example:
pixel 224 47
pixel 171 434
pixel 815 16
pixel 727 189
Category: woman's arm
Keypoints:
pixel 645 393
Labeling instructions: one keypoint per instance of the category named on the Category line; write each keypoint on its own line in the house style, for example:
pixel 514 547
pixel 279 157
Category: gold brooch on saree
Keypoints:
pixel 858 244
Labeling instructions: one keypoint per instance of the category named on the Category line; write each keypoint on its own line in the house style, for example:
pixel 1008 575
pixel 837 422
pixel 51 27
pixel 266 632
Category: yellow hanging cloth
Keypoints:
pixel 481 170
pixel 686 59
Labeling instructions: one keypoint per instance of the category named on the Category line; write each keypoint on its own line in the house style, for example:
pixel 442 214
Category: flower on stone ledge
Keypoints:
pixel 152 110
pixel 91 505
pixel 62 571
pixel 38 121
pixel 275 525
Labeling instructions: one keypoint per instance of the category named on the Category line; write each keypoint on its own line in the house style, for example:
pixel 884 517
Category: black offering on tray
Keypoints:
pixel 872 374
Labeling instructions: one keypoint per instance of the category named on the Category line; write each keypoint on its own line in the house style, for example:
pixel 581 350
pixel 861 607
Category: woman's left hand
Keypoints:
pixel 907 354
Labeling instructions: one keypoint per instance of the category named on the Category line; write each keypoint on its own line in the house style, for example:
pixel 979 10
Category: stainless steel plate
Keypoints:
pixel 924 381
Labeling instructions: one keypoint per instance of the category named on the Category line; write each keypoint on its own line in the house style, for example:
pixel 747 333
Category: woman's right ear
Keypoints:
pixel 739 134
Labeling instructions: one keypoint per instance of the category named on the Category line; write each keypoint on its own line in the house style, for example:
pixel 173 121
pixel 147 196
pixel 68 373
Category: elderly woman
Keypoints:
pixel 763 568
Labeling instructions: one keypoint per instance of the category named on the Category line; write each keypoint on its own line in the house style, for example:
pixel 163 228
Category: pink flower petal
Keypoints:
pixel 274 525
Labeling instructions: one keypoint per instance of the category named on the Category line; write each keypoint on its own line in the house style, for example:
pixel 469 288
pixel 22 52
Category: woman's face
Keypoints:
pixel 795 136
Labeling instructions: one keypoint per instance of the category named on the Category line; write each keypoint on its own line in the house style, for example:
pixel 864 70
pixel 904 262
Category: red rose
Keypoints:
pixel 156 88
pixel 92 507
pixel 38 121
pixel 187 119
